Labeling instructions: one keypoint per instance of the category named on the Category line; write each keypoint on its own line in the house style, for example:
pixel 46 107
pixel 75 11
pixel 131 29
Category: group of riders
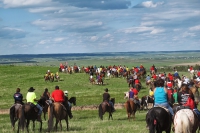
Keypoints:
pixel 166 92
pixel 56 96
pixel 50 76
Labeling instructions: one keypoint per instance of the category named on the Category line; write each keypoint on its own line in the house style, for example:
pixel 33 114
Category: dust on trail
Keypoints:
pixel 86 107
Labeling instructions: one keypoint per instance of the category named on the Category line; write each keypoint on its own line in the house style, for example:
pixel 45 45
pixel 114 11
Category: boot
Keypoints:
pixel 39 118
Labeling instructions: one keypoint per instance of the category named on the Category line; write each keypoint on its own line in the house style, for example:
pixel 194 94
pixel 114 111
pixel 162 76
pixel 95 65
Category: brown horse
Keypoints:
pixel 131 108
pixel 106 107
pixel 58 111
pixel 14 114
pixel 26 113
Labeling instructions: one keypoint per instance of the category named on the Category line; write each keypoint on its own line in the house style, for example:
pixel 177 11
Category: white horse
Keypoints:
pixel 184 121
pixel 178 82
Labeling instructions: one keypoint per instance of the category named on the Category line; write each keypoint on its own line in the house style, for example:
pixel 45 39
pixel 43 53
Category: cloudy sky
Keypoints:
pixel 83 26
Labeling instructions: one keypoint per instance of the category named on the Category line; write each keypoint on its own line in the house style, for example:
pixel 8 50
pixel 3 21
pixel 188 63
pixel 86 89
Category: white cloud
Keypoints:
pixel 156 31
pixel 187 34
pixel 150 4
pixel 195 28
pixel 45 9
pixel 94 38
pixel 21 3
pixel 59 39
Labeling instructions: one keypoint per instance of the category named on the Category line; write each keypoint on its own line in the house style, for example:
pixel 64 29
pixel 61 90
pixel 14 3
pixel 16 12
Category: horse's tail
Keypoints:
pixel 50 117
pixel 12 116
pixel 152 121
pixel 100 112
pixel 22 117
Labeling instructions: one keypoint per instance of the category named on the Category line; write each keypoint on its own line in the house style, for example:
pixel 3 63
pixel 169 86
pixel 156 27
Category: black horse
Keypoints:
pixel 28 113
pixel 106 107
pixel 158 120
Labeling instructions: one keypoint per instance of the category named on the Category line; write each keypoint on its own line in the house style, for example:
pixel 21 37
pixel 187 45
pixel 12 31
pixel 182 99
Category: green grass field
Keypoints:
pixel 77 84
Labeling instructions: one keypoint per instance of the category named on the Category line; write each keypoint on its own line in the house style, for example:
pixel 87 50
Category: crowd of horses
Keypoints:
pixel 23 114
pixel 158 118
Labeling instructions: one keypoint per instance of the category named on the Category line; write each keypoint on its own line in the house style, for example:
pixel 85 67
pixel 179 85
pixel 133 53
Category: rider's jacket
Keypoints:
pixel 18 97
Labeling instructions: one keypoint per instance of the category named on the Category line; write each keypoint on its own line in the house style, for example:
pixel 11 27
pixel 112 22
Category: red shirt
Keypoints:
pixel 152 68
pixel 198 74
pixel 137 81
pixel 171 77
pixel 154 77
pixel 58 95
pixel 169 84
pixel 135 91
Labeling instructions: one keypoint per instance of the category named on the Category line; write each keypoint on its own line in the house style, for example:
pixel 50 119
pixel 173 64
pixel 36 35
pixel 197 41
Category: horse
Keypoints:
pixel 178 83
pixel 46 78
pixel 13 112
pixel 100 81
pixel 131 108
pixel 185 121
pixel 158 120
pixel 45 105
pixel 58 111
pixel 106 107
pixel 146 101
pixel 26 113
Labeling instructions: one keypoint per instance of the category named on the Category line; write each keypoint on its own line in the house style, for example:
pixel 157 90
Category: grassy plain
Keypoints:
pixel 26 75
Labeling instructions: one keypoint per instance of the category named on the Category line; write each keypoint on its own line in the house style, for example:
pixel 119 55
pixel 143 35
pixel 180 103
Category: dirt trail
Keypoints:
pixel 87 107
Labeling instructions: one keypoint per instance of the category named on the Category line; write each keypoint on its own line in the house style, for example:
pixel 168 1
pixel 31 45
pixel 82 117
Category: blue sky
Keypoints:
pixel 83 26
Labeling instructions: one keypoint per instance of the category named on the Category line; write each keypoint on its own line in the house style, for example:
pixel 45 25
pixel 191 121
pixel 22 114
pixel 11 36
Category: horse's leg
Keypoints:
pixel 66 120
pixel 33 125
pixel 60 125
pixel 56 124
pixel 27 124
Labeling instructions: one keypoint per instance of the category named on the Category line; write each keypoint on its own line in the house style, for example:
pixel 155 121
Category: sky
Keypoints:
pixel 88 26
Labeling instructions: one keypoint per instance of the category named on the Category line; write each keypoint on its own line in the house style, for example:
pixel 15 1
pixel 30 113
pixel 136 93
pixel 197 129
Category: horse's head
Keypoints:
pixel 112 100
pixel 72 100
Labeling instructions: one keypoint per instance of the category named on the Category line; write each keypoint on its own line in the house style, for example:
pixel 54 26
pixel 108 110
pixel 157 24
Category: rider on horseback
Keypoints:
pixel 31 98
pixel 46 95
pixel 106 98
pixel 70 105
pixel 160 96
pixel 18 97
pixel 58 96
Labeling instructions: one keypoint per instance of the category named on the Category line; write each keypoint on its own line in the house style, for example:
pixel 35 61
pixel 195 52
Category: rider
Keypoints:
pixel 106 98
pixel 160 96
pixel 131 94
pixel 31 98
pixel 18 97
pixel 47 96
pixel 69 104
pixel 136 99
pixel 58 96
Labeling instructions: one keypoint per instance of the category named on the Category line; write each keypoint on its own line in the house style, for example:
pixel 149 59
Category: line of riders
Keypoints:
pixel 49 76
pixel 56 96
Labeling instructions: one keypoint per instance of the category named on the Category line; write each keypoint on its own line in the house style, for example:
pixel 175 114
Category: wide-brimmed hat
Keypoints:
pixel 106 89
pixel 31 89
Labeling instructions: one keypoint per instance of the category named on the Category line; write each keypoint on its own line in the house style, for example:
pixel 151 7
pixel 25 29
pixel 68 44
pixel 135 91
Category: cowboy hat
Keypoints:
pixel 31 89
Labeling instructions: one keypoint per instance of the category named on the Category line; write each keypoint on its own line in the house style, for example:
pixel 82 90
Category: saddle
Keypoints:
pixel 17 106
pixel 34 107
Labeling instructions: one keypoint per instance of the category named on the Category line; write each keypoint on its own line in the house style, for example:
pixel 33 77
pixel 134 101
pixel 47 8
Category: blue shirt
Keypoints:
pixel 131 94
pixel 160 96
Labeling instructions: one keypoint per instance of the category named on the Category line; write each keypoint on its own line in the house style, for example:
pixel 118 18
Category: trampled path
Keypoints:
pixel 86 107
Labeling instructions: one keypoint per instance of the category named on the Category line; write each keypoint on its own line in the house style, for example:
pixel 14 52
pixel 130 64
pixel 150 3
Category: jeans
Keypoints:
pixel 40 109
pixel 166 105
pixel 70 105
